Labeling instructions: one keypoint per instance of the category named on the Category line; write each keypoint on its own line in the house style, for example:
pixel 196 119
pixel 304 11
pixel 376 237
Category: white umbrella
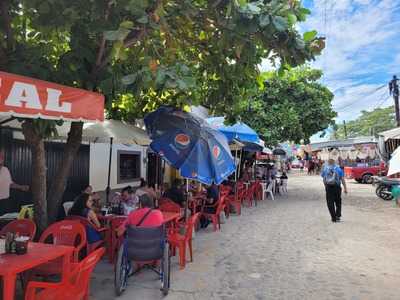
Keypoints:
pixel 394 163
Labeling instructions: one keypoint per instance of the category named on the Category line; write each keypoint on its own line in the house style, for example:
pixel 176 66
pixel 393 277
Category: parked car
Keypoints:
pixel 295 164
pixel 363 173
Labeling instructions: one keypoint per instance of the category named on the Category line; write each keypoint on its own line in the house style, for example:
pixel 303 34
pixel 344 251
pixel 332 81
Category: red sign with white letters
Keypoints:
pixel 27 97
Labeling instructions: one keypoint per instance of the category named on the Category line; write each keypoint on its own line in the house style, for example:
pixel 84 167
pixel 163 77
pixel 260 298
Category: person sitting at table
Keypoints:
pixel 126 199
pixel 175 193
pixel 83 207
pixel 146 189
pixel 210 203
pixel 95 197
pixel 145 216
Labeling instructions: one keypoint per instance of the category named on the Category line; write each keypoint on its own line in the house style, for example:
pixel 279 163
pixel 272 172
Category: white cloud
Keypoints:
pixel 362 39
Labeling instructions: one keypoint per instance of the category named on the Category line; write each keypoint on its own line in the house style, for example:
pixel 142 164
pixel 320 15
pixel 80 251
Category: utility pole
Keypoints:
pixel 345 129
pixel 394 90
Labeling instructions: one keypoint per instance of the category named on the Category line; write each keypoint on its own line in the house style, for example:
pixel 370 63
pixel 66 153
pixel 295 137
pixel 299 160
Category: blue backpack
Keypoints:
pixel 331 177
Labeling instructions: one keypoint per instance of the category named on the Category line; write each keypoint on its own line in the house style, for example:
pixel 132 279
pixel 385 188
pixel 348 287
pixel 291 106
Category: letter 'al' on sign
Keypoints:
pixel 27 97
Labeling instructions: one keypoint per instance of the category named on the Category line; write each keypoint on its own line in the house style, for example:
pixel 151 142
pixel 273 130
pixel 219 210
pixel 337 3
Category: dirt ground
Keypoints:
pixel 286 249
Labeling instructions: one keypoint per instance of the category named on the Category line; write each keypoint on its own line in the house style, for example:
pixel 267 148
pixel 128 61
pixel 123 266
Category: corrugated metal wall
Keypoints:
pixel 18 159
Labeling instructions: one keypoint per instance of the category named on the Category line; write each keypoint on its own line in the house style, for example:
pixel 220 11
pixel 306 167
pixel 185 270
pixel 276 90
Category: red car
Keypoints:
pixel 363 173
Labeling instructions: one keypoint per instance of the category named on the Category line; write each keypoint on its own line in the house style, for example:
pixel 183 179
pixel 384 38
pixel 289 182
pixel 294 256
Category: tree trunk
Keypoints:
pixel 59 183
pixel 39 176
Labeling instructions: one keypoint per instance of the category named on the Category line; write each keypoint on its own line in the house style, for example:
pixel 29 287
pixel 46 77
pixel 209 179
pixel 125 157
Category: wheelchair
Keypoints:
pixel 143 245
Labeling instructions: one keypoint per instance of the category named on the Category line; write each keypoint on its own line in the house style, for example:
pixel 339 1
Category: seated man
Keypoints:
pixel 175 193
pixel 145 216
pixel 210 203
pixel 127 200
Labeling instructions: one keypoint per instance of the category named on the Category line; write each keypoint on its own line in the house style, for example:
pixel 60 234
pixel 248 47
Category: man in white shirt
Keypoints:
pixel 5 184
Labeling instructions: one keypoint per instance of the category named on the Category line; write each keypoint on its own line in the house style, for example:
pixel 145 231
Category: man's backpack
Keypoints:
pixel 331 177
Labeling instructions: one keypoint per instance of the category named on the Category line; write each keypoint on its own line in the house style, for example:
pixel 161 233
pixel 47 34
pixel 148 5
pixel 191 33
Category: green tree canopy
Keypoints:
pixel 291 106
pixel 369 123
pixel 143 53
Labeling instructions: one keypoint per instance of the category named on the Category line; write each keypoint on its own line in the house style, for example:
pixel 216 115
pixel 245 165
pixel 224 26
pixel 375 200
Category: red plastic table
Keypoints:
pixel 38 253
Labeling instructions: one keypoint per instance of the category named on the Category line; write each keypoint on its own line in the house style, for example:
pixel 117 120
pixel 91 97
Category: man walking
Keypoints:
pixel 5 184
pixel 333 177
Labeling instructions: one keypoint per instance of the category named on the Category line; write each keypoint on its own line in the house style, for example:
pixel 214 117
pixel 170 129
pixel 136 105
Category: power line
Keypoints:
pixel 339 109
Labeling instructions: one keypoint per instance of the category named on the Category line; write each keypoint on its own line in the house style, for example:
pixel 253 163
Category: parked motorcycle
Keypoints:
pixel 384 187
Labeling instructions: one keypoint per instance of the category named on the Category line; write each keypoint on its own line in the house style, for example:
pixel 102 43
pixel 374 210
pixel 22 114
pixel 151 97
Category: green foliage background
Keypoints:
pixel 292 106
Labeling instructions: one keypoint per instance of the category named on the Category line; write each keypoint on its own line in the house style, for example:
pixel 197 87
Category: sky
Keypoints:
pixel 362 51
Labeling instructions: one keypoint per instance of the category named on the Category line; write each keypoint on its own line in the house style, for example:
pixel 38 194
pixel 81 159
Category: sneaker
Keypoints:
pixel 334 220
pixel 338 219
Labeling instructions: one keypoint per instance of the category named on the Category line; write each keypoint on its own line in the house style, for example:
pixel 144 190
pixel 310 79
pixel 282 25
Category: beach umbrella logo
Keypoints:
pixel 182 141
pixel 216 151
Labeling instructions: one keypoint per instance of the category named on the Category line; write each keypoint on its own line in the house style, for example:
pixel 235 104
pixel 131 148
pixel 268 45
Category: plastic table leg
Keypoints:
pixel 9 286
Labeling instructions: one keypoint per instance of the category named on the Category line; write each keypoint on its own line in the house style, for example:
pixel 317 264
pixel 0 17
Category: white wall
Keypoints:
pixel 98 168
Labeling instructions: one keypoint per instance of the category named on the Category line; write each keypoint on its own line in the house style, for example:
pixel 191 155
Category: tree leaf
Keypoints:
pixel 143 20
pixel 309 35
pixel 280 23
pixel 129 79
pixel 292 19
pixel 264 20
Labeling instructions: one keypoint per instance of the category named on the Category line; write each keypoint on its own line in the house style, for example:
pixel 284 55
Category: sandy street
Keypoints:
pixel 286 249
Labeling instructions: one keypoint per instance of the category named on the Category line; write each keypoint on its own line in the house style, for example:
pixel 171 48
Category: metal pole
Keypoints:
pixel 345 129
pixel 236 167
pixel 187 199
pixel 109 172
pixel 240 162
pixel 394 90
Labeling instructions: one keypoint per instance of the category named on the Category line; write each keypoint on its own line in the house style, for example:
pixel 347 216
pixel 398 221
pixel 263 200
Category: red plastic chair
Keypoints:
pixel 180 241
pixel 25 227
pixel 102 231
pixel 249 196
pixel 215 217
pixel 114 240
pixel 257 191
pixel 76 286
pixel 165 204
pixel 235 202
pixel 64 233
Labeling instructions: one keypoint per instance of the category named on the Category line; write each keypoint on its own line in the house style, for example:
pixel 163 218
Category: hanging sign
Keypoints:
pixel 27 97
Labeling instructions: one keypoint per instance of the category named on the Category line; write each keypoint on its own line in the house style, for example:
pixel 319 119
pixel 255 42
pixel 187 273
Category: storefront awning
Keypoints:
pixel 26 97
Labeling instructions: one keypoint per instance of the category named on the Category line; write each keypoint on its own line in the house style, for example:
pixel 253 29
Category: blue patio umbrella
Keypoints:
pixel 239 131
pixel 190 145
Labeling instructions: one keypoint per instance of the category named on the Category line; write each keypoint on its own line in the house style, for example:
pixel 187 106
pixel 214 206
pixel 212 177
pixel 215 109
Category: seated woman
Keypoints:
pixel 83 207
pixel 95 198
pixel 175 193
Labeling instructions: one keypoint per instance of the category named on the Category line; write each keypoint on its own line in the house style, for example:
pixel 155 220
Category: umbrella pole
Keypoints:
pixel 236 167
pixel 187 199
pixel 240 162
pixel 109 173
pixel 236 177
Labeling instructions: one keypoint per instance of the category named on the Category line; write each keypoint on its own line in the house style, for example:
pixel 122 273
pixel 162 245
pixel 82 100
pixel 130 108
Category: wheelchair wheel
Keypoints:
pixel 121 272
pixel 165 270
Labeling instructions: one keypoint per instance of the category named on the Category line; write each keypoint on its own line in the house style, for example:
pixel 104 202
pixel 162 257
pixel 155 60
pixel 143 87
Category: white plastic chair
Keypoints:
pixel 67 206
pixel 269 190
pixel 264 189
